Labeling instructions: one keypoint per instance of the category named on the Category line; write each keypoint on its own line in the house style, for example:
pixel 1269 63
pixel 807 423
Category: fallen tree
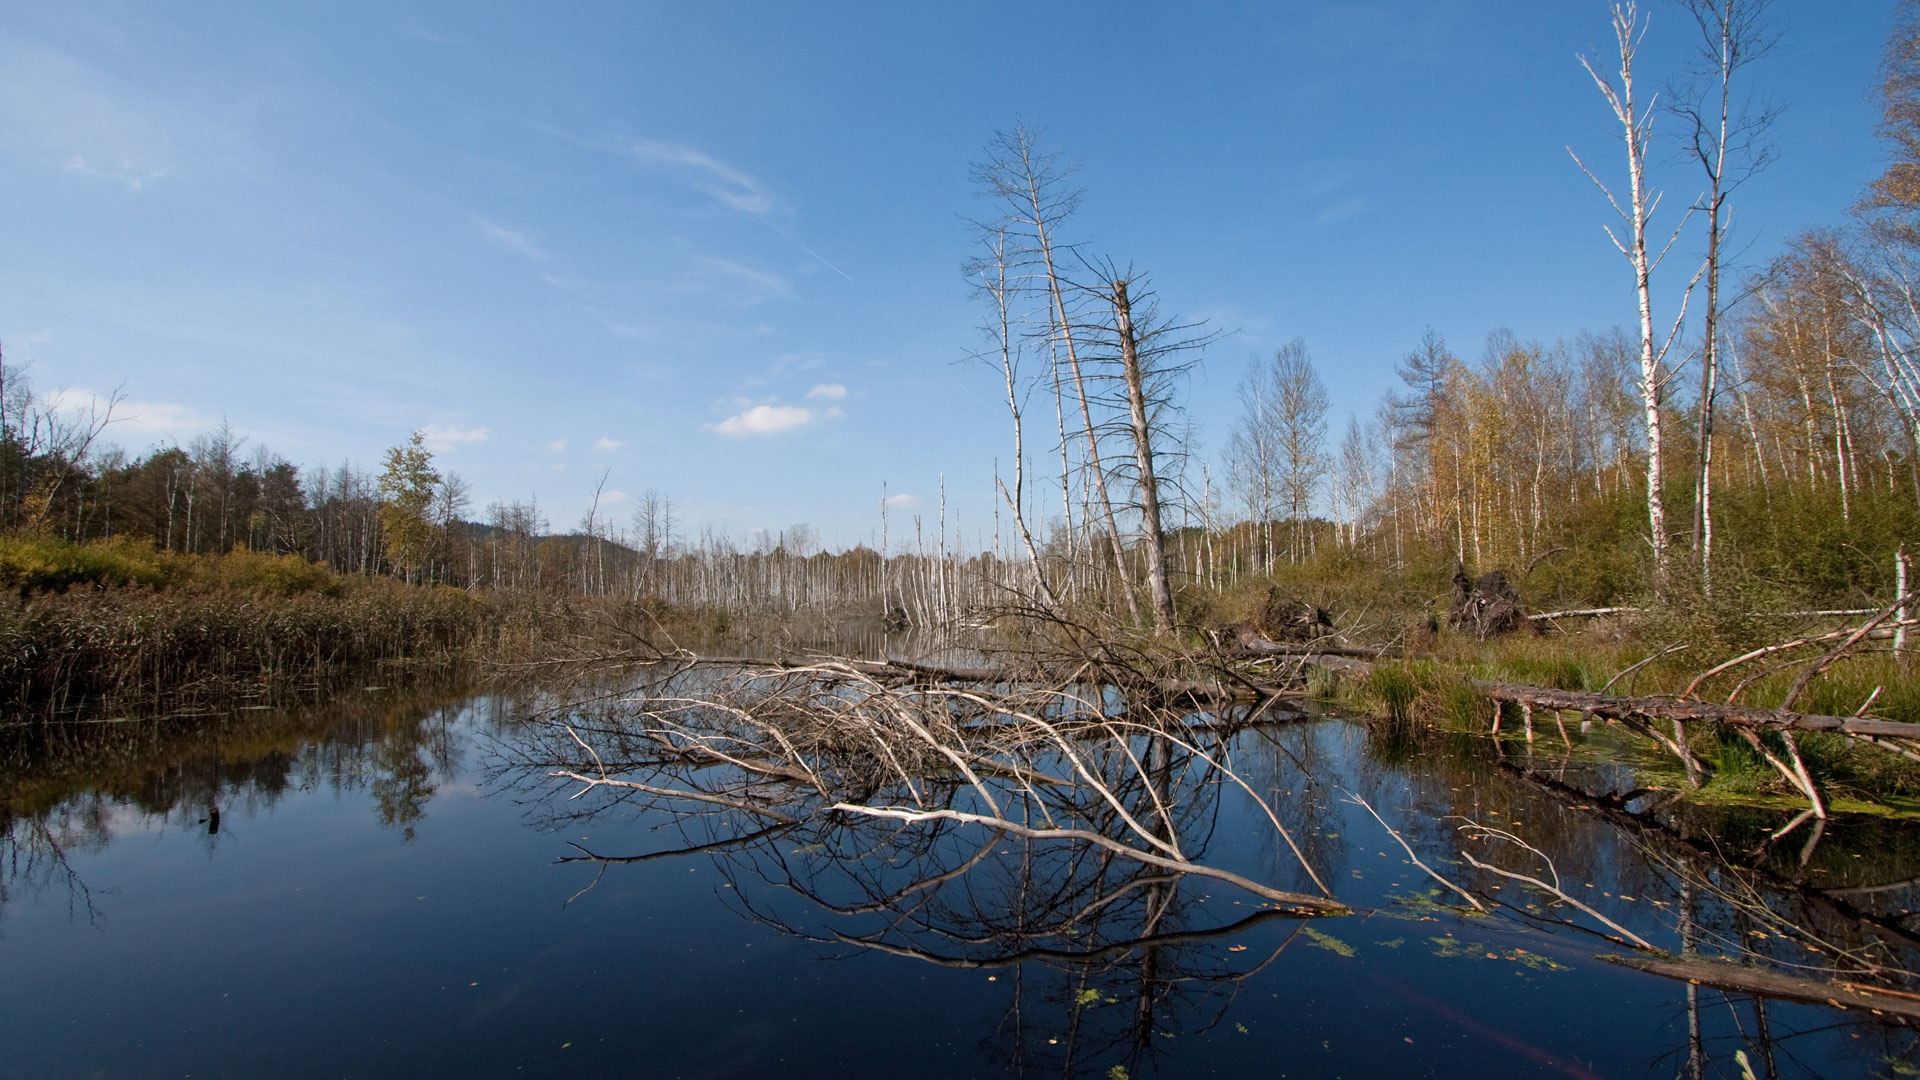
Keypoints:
pixel 794 743
pixel 1738 978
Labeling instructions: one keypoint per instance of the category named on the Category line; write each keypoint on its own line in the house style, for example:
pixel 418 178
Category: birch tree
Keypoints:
pixel 1278 450
pixel 996 276
pixel 1729 143
pixel 1253 453
pixel 1301 430
pixel 1636 130
pixel 1036 194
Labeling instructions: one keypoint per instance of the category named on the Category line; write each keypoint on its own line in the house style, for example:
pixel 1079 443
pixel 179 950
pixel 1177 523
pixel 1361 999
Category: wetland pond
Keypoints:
pixel 393 884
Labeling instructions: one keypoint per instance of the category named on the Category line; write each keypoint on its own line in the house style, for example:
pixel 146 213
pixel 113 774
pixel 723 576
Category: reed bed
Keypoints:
pixel 149 650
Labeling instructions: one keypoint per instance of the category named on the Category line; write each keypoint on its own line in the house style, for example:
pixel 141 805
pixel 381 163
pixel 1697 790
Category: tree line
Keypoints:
pixel 1758 426
pixel 1790 458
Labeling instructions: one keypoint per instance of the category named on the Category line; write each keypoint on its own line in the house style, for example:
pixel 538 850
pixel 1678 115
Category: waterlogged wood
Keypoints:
pixel 1196 692
pixel 1722 975
pixel 1655 708
pixel 1300 903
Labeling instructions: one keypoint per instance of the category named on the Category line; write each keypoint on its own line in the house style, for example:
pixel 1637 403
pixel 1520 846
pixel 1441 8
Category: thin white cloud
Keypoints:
pixel 828 392
pixel 761 285
pixel 608 498
pixel 903 502
pixel 765 420
pixel 133 177
pixel 512 239
pixel 130 416
pixel 557 445
pixel 1341 211
pixel 718 180
pixel 447 436
pixel 607 445
pixel 57 112
pixel 419 31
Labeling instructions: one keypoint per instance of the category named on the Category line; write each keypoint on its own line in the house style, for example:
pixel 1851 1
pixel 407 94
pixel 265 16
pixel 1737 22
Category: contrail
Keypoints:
pixel 789 239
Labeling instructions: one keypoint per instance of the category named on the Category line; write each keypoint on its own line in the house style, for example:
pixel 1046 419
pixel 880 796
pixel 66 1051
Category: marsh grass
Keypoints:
pixel 148 650
pixel 115 625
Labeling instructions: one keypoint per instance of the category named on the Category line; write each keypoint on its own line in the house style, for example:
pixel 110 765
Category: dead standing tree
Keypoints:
pixel 1036 195
pixel 997 275
pixel 1119 362
pixel 1636 126
pixel 1128 338
pixel 1730 147
pixel 1149 355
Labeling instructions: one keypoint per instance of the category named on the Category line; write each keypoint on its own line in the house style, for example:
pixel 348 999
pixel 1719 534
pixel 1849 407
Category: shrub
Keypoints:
pixel 31 564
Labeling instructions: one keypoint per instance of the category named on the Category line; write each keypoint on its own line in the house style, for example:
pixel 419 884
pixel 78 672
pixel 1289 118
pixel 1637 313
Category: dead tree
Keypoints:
pixel 1153 537
pixel 1036 195
pixel 1730 147
pixel 830 743
pixel 1636 126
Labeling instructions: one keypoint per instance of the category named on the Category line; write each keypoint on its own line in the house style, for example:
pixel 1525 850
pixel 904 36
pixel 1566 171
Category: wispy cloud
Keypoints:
pixel 828 392
pixel 1341 211
pixel 607 445
pixel 56 112
pixel 512 239
pixel 767 420
pixel 126 173
pixel 720 181
pixel 130 416
pixel 760 285
pixel 903 501
pixel 447 436
pixel 557 445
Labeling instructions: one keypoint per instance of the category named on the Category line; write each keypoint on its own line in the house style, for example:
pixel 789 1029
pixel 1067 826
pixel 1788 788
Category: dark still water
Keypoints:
pixel 382 888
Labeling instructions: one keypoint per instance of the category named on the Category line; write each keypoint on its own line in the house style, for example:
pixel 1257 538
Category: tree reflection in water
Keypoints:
pixel 1106 958
pixel 71 788
pixel 1101 957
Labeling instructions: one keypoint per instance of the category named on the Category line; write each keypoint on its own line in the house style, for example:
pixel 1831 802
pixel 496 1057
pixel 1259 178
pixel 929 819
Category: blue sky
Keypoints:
pixel 715 248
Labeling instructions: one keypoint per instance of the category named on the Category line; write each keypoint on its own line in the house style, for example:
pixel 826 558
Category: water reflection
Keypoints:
pixel 1107 960
pixel 1110 961
pixel 73 789
pixel 1095 962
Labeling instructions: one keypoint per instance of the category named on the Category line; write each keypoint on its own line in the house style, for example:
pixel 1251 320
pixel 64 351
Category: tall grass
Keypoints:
pixel 119 625
pixel 142 648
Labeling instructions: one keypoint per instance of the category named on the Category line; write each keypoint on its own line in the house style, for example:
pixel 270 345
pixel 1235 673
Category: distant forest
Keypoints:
pixel 1757 432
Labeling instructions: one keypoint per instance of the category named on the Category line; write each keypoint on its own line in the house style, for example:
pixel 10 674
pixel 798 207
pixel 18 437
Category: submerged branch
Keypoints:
pixel 1301 903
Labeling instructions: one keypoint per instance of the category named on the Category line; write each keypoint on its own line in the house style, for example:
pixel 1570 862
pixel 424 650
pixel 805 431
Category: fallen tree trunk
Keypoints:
pixel 1722 975
pixel 1216 691
pixel 1254 643
pixel 1639 713
pixel 1657 708
pixel 1582 613
pixel 1705 852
